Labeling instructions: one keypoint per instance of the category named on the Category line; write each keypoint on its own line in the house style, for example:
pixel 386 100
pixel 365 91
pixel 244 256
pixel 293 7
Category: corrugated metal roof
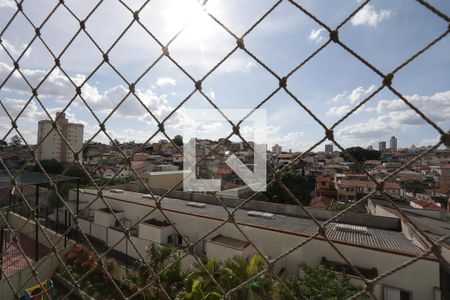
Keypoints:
pixel 376 238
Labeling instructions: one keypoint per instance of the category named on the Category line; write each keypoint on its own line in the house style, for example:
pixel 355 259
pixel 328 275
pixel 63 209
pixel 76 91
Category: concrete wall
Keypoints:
pixel 99 232
pixel 163 180
pixel 29 227
pixel 154 233
pixel 106 219
pixel 44 266
pixel 216 250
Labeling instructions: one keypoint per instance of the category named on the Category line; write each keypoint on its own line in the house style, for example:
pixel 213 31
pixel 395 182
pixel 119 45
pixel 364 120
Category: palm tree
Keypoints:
pixel 238 270
pixel 198 291
pixel 199 281
pixel 229 275
pixel 157 259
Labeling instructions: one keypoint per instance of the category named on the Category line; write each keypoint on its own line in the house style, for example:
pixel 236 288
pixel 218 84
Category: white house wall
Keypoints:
pixel 421 277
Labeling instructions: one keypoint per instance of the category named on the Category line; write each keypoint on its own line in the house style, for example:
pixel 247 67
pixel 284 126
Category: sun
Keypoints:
pixel 189 15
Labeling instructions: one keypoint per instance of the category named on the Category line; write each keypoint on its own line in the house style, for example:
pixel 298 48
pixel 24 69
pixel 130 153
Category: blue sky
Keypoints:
pixel 385 33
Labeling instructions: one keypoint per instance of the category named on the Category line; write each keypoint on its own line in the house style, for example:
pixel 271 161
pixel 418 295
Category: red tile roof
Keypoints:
pixel 321 202
pixel 426 204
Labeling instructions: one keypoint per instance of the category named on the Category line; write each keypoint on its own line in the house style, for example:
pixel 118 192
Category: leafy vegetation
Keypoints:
pixel 336 206
pixel 413 186
pixel 361 154
pixel 97 284
pixel 320 283
pixel 206 281
pixel 178 140
pixel 157 258
pixel 301 186
pixel 51 166
pixel 15 142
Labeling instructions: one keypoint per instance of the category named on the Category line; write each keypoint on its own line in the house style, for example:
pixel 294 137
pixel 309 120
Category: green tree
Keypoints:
pixel 157 259
pixel 15 142
pixel 319 283
pixel 229 274
pixel 51 166
pixel 361 154
pixel 300 186
pixel 238 270
pixel 413 186
pixel 199 284
pixel 178 140
pixel 336 206
pixel 77 171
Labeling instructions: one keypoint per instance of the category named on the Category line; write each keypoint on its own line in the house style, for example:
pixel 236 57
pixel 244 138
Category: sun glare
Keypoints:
pixel 190 13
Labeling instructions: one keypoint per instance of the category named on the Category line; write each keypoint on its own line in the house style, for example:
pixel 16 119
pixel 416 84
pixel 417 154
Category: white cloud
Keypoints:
pixel 57 89
pixel 7 3
pixel 436 106
pixel 14 106
pixel 16 50
pixel 338 110
pixel 429 142
pixel 339 97
pixel 368 15
pixel 271 135
pixel 372 128
pixel 394 116
pixel 57 86
pixel 316 35
pixel 360 93
pixel 356 94
pixel 162 81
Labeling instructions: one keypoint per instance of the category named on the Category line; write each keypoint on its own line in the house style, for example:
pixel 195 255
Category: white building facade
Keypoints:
pixel 276 149
pixel 393 144
pixel 51 143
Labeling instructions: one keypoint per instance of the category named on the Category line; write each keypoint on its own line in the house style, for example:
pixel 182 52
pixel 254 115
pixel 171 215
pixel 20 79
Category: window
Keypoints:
pixel 179 239
pixel 392 293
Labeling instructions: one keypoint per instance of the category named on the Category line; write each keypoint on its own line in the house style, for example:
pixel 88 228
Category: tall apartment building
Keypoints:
pixel 382 146
pixel 393 144
pixel 329 148
pixel 53 146
pixel 276 149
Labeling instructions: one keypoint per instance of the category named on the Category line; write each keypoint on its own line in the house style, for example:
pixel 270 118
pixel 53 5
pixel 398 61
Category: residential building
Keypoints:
pixel 352 190
pixel 276 149
pixel 329 148
pixel 393 144
pixel 51 143
pixel 443 174
pixel 358 237
pixel 283 159
pixel 325 187
pixel 432 223
pixel 164 179
pixel 382 146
